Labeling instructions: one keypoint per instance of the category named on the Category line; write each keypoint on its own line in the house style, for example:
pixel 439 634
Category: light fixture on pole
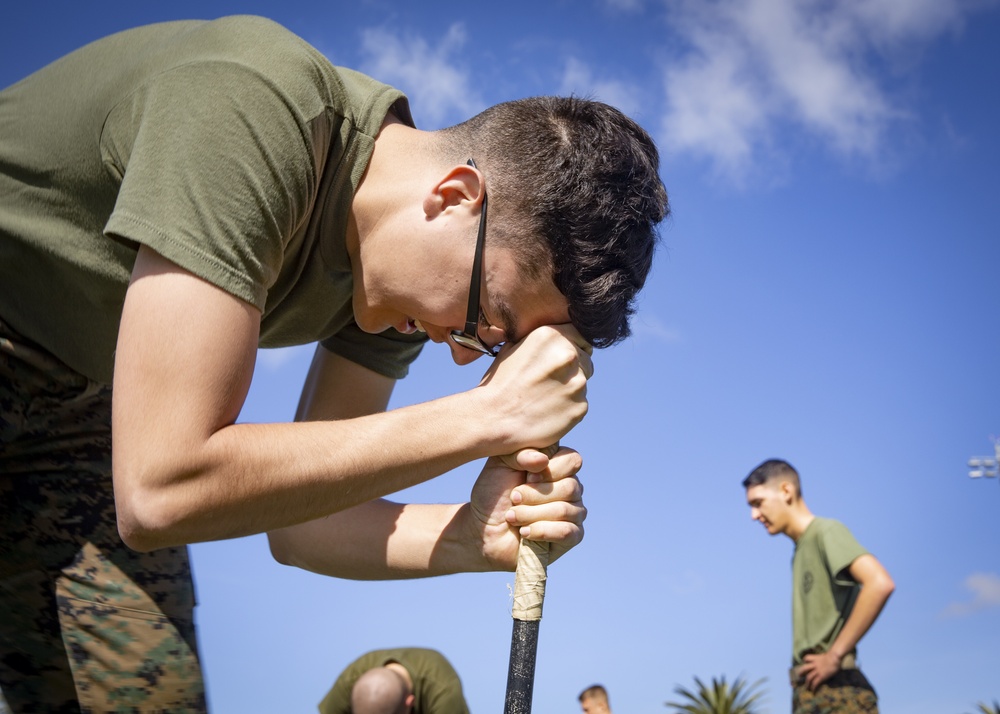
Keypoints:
pixel 980 466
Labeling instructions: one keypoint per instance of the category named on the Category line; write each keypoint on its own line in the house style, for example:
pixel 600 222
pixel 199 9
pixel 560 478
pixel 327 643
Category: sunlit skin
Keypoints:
pixel 592 705
pixel 186 471
pixel 412 272
pixel 777 505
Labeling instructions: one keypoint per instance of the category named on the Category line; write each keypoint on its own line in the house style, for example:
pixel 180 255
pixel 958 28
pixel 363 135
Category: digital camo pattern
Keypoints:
pixel 847 692
pixel 86 624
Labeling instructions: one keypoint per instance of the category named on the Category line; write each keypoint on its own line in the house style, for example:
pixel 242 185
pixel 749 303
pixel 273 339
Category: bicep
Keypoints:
pixel 867 570
pixel 183 364
pixel 337 388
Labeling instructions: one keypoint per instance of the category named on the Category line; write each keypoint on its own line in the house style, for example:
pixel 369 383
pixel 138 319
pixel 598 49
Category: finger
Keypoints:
pixel 565 463
pixel 573 335
pixel 560 533
pixel 522 515
pixel 587 364
pixel 568 490
pixel 530 459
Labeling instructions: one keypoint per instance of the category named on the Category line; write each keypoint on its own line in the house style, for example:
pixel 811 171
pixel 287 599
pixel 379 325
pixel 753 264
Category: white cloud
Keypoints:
pixel 757 67
pixel 985 589
pixel 434 77
pixel 650 327
pixel 578 79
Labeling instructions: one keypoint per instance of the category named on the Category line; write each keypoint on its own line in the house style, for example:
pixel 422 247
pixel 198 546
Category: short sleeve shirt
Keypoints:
pixel 231 147
pixel 437 688
pixel 823 592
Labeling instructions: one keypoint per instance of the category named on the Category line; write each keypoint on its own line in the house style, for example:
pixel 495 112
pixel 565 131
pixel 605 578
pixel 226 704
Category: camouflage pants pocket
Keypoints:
pixel 86 624
pixel 126 659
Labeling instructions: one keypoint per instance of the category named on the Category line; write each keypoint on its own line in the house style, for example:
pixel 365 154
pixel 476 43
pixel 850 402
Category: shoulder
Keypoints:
pixel 424 654
pixel 830 526
pixel 234 31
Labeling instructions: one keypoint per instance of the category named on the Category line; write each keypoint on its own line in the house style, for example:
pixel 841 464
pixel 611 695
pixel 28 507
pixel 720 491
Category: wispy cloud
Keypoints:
pixel 646 326
pixel 433 75
pixel 757 67
pixel 578 79
pixel 985 590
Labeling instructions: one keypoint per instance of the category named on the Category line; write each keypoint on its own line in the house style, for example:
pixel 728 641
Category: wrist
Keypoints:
pixel 490 415
pixel 467 544
pixel 837 654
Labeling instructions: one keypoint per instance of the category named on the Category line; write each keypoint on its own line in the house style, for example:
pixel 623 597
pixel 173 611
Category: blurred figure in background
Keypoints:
pixel 838 590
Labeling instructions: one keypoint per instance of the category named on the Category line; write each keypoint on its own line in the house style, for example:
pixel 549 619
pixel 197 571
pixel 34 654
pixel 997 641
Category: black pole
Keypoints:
pixel 521 670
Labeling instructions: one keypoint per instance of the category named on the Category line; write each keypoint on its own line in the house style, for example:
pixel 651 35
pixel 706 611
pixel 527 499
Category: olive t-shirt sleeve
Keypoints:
pixel 208 152
pixel 840 548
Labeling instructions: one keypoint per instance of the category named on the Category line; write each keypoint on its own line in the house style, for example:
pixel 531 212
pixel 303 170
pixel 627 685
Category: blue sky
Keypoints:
pixel 827 291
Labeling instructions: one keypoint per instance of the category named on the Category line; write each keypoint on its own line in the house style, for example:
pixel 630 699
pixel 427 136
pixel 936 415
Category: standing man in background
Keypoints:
pixel 838 591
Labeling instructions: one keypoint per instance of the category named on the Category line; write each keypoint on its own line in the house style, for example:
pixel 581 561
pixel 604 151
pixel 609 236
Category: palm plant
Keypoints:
pixel 984 708
pixel 720 698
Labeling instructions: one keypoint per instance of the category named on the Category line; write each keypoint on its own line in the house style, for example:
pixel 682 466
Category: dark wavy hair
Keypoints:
pixel 584 177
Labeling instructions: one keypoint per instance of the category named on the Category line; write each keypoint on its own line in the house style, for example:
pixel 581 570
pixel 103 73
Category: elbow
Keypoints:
pixel 883 586
pixel 145 520
pixel 280 549
pixel 888 587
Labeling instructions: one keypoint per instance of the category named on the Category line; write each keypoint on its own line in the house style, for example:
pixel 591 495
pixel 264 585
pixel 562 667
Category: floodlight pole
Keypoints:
pixel 980 466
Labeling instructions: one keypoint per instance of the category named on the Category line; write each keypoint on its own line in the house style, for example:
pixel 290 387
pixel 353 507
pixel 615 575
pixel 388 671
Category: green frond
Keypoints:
pixel 719 698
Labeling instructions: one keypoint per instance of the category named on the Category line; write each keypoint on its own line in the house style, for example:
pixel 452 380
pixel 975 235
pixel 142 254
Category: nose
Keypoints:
pixel 754 514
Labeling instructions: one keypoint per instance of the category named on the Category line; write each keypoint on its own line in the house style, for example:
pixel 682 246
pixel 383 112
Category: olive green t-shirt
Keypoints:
pixel 823 591
pixel 437 688
pixel 231 147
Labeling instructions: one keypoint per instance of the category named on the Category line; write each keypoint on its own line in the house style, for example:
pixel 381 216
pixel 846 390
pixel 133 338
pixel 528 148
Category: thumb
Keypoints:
pixel 529 459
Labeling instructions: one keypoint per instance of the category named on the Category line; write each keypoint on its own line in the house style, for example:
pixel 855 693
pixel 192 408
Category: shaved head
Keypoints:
pixel 379 691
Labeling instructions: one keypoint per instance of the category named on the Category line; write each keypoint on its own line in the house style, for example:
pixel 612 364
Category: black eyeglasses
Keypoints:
pixel 469 337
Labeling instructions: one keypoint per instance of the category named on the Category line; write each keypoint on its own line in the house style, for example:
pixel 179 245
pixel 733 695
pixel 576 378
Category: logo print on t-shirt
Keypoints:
pixel 807 582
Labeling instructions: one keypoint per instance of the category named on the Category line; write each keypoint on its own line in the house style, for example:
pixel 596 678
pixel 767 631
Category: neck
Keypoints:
pixel 402 672
pixel 800 519
pixel 397 171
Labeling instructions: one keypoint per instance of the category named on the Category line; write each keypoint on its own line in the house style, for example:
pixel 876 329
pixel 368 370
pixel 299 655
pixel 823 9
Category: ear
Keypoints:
pixel 462 185
pixel 409 701
pixel 787 492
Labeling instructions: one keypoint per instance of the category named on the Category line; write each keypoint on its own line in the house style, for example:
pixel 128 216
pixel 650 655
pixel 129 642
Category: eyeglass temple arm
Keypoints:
pixel 472 315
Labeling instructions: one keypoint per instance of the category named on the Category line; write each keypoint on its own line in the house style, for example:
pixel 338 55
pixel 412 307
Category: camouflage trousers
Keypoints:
pixel 846 692
pixel 86 624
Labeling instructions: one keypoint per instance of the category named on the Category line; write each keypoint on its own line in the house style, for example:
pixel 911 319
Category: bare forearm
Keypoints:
pixel 867 608
pixel 383 540
pixel 249 478
pixel 184 471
